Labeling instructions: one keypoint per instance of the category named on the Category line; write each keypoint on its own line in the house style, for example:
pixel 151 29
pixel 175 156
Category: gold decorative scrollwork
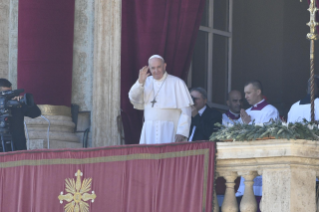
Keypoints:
pixel 312 23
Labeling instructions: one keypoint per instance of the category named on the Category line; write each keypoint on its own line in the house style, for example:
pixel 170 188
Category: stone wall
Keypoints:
pixel 13 43
pixel 4 37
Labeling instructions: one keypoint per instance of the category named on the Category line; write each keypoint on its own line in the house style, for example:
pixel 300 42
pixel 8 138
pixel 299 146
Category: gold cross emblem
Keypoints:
pixel 77 195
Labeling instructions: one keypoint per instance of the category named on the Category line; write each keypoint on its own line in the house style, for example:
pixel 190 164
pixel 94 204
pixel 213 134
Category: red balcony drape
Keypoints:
pixel 149 178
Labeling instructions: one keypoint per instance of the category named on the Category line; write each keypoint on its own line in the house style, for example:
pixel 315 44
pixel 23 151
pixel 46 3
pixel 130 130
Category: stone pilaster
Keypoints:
pixel 4 37
pixel 107 72
pixel 290 188
pixel 9 40
pixel 83 47
pixel 13 43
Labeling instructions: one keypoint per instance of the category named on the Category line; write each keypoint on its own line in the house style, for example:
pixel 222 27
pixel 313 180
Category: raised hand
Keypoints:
pixel 244 116
pixel 143 75
pixel 180 138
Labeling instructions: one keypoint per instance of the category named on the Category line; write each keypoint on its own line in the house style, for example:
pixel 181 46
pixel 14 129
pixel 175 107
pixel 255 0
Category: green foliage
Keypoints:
pixel 277 129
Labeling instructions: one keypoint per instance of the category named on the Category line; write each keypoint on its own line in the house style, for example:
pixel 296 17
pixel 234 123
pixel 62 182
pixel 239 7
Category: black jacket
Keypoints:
pixel 16 124
pixel 205 124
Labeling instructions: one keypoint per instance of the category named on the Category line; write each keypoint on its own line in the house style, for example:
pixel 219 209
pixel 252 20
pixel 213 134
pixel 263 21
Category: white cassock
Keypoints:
pixel 260 113
pixel 231 118
pixel 170 115
pixel 302 110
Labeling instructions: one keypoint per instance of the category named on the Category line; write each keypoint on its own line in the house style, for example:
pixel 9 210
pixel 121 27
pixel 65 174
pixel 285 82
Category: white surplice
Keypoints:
pixel 170 115
pixel 259 116
pixel 264 115
pixel 227 120
pixel 298 112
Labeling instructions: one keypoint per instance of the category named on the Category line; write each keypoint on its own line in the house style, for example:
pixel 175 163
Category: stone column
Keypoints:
pixel 248 202
pixel 230 202
pixel 106 74
pixel 289 188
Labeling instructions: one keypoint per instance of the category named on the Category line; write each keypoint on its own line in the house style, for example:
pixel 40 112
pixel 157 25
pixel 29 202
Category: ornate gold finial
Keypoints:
pixel 312 23
pixel 79 196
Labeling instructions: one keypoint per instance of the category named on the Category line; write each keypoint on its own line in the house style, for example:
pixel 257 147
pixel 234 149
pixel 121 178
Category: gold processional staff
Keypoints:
pixel 312 36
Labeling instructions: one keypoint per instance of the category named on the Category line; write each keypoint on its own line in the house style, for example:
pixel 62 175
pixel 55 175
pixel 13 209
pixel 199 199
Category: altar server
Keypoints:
pixel 166 102
pixel 260 112
pixel 302 109
pixel 235 103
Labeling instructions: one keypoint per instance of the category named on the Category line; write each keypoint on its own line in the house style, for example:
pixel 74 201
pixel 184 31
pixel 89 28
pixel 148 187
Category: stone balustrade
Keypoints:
pixel 288 167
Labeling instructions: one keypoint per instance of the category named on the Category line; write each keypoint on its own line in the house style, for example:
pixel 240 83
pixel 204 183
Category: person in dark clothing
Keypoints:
pixel 16 122
pixel 203 117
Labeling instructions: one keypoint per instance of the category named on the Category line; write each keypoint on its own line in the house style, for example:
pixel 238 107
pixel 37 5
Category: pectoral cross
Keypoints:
pixel 153 102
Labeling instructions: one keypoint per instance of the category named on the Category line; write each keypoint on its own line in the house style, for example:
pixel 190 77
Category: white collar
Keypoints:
pixel 235 114
pixel 255 105
pixel 201 111
pixel 163 77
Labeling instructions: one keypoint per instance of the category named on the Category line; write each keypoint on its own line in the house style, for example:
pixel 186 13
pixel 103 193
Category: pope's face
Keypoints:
pixel 157 68
pixel 252 94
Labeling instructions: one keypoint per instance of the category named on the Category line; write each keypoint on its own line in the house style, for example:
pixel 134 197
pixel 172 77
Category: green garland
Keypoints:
pixel 279 130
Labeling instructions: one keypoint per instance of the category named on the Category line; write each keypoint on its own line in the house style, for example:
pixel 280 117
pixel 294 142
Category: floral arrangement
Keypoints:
pixel 273 129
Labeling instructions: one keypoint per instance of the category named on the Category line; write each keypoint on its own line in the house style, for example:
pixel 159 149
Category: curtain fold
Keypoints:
pixel 168 28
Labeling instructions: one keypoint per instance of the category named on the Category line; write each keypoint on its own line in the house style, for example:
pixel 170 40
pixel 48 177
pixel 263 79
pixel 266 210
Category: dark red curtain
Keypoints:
pixel 166 27
pixel 133 178
pixel 45 43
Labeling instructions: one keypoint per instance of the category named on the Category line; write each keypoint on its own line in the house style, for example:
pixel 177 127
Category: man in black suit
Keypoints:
pixel 203 117
pixel 16 122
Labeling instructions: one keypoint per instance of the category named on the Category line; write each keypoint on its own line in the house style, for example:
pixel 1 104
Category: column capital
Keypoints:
pixel 248 175
pixel 228 174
